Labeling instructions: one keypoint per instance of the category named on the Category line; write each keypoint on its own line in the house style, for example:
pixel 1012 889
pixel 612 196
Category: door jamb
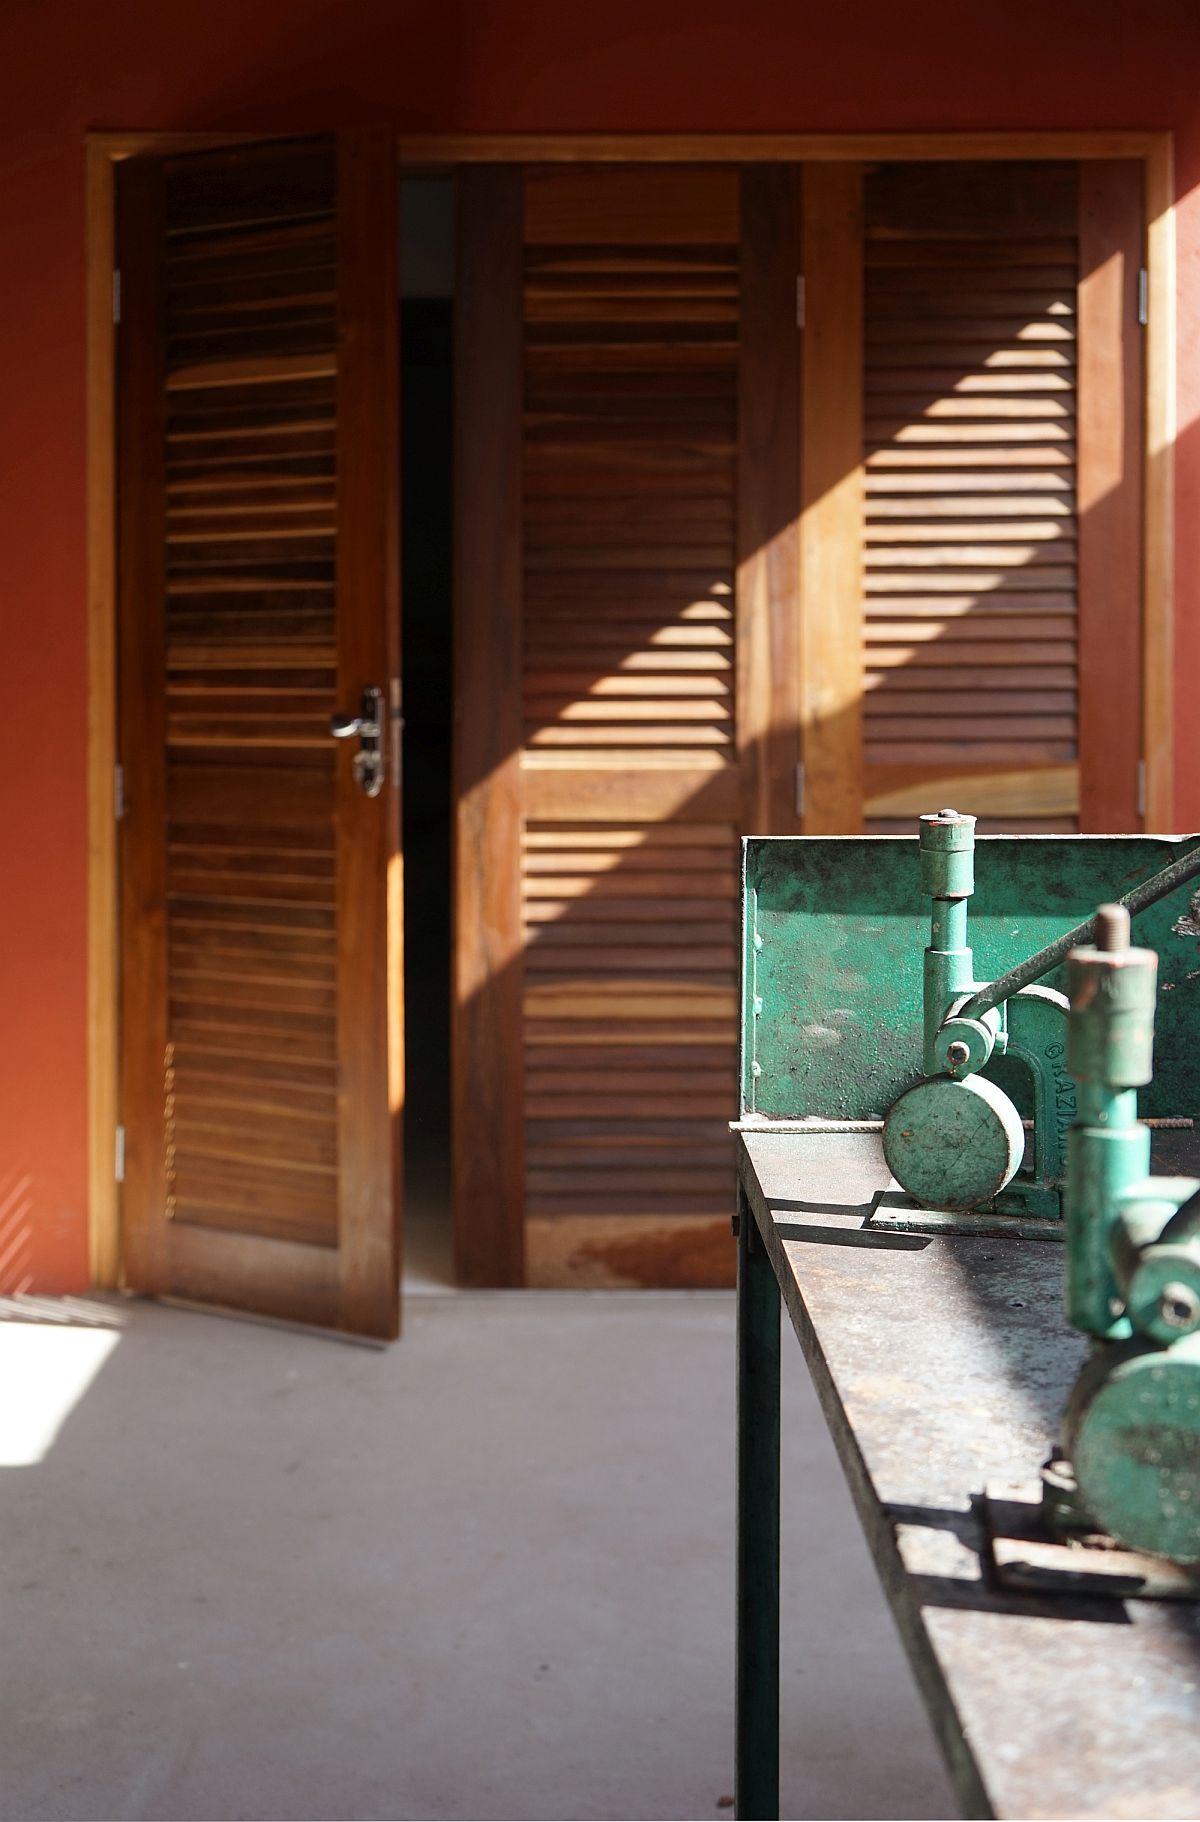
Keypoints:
pixel 104 151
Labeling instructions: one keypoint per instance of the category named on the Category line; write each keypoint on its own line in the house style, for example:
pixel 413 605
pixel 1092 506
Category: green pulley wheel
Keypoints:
pixel 953 1144
pixel 1132 1433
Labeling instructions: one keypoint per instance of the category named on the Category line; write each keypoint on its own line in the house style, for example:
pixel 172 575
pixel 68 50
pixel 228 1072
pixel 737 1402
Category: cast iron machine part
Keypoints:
pixel 1131 1431
pixel 955 1140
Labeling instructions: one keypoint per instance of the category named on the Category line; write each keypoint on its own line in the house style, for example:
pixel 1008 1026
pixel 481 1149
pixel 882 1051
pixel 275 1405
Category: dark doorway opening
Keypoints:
pixel 426 282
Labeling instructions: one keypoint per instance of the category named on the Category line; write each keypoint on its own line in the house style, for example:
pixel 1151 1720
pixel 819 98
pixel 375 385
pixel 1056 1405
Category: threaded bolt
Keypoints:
pixel 1112 929
pixel 958 1053
pixel 948 816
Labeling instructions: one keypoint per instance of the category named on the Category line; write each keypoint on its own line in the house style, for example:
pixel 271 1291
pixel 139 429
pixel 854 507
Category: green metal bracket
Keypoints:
pixel 1037 1034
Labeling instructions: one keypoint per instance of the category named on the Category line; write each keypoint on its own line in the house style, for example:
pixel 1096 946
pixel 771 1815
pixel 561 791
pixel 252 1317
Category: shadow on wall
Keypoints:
pixel 16 1234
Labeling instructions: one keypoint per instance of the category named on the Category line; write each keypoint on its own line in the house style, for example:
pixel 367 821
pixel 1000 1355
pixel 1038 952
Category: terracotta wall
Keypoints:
pixel 466 65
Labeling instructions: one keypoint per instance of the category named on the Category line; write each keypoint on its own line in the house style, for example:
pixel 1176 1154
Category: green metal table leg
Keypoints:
pixel 757 1713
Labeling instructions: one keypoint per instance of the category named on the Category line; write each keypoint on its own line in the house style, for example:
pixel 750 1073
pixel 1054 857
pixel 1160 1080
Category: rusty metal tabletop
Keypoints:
pixel 941 1364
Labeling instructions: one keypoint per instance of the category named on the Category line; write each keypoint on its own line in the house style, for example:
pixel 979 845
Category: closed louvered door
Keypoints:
pixel 258 425
pixel 1000 540
pixel 628 864
pixel 615 1025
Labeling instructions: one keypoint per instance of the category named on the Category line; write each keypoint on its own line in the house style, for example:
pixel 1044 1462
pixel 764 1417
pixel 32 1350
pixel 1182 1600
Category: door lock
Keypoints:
pixel 368 726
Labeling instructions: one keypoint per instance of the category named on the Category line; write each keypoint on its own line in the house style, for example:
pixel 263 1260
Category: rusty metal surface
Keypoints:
pixel 943 1364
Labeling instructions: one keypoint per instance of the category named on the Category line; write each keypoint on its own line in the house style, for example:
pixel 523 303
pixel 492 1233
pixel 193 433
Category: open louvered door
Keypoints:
pixel 989 586
pixel 602 771
pixel 258 434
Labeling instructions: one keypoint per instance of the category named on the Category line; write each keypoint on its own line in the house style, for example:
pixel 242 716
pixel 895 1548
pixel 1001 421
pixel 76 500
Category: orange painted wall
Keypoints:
pixel 465 65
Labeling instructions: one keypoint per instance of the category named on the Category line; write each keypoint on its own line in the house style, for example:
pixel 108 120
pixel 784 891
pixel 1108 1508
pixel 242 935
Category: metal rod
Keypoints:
pixel 756 1759
pixel 1026 972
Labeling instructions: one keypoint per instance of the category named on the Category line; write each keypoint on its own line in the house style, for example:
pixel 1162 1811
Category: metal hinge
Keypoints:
pixel 119 1155
pixel 800 302
pixel 119 792
pixel 1143 297
pixel 800 787
pixel 1141 787
pixel 116 295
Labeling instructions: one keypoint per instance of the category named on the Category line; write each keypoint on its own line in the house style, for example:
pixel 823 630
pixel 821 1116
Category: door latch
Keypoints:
pixel 368 726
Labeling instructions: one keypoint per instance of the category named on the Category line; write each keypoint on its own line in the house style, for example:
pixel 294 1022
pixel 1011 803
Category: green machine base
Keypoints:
pixel 897 1213
pixel 1028 1556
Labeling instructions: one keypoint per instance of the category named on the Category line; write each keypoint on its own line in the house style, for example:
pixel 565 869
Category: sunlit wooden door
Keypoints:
pixel 972 523
pixel 258 529
pixel 626 503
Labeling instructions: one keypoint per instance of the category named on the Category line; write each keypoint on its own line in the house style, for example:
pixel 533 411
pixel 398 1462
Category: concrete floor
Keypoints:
pixel 488 1573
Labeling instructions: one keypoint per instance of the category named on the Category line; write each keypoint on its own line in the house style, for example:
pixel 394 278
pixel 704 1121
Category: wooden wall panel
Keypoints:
pixel 488 1130
pixel 1111 383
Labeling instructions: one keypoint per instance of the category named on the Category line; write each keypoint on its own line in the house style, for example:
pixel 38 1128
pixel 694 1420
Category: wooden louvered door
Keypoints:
pixel 600 770
pixel 1000 494
pixel 628 877
pixel 258 428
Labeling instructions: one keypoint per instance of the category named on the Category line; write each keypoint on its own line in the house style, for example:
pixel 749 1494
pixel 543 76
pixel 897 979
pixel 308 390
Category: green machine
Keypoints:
pixel 1023 1115
pixel 1132 1427
pixel 956 1139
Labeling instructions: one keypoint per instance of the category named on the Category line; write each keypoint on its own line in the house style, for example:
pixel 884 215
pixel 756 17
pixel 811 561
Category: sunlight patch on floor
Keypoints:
pixel 44 1372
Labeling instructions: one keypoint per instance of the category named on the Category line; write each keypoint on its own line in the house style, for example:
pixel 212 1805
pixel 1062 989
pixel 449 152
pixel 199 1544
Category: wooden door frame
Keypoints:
pixel 104 151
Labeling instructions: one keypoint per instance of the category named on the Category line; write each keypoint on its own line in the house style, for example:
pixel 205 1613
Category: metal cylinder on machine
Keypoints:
pixel 1110 1043
pixel 947 844
pixel 947 851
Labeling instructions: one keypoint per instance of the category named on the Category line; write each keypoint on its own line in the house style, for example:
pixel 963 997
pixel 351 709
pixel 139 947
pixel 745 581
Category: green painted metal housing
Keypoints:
pixel 835 932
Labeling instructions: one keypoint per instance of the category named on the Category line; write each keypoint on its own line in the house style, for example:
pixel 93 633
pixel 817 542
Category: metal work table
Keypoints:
pixel 942 1364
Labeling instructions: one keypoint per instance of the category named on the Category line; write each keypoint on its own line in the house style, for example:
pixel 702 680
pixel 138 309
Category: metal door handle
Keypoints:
pixel 368 726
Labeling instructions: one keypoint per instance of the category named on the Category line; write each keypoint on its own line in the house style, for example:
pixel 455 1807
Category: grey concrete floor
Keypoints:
pixel 488 1573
